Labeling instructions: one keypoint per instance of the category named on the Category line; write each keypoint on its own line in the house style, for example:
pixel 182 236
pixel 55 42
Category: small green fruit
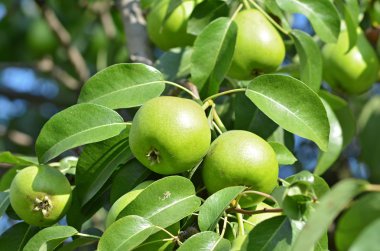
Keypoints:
pixel 170 33
pixel 170 135
pixel 40 195
pixel 259 47
pixel 240 158
pixel 355 71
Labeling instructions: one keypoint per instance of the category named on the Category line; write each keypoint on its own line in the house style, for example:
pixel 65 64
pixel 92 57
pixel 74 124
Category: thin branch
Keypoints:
pixel 249 212
pixel 135 31
pixel 103 10
pixel 64 38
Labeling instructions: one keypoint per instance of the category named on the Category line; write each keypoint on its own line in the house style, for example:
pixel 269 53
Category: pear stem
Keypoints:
pixel 258 7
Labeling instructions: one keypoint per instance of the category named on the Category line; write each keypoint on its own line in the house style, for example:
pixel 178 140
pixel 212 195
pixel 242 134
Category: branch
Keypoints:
pixel 64 38
pixel 249 212
pixel 46 65
pixel 103 10
pixel 135 31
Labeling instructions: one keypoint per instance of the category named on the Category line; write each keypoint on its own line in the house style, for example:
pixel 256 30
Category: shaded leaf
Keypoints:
pixel 335 146
pixel 212 55
pixel 322 14
pixel 368 239
pixel 272 234
pixel 75 126
pixel 214 206
pixel 170 199
pixel 4 202
pixel 207 241
pixel 310 59
pixel 126 234
pixel 328 208
pixel 292 105
pixel 123 86
pixel 15 237
pixel 49 238
pixel 204 13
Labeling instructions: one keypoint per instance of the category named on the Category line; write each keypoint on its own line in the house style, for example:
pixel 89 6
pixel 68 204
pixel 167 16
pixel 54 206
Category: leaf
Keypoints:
pixel 368 239
pixel 98 162
pixel 126 234
pixel 212 55
pixel 351 12
pixel 292 105
pixel 214 206
pixel 272 234
pixel 78 242
pixel 249 118
pixel 7 178
pixel 344 115
pixel 317 183
pixel 75 126
pixel 205 241
pixel 271 6
pixel 161 240
pixel 335 146
pixel 127 177
pixel 170 199
pixel 169 63
pixel 15 237
pixel 322 14
pixel 310 59
pixel 49 238
pixel 368 126
pixel 17 160
pixel 4 202
pixel 351 224
pixel 284 156
pixel 204 13
pixel 329 207
pixel 123 86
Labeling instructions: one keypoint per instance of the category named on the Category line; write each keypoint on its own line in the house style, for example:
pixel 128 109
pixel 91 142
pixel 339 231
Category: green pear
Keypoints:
pixel 259 47
pixel 352 71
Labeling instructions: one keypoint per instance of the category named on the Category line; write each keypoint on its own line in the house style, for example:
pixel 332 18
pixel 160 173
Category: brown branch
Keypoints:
pixel 64 38
pixel 135 31
pixel 252 212
pixel 103 10
pixel 46 65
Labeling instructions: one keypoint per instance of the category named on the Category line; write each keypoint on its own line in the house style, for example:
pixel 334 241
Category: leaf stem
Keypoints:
pixel 372 188
pixel 217 119
pixel 170 234
pixel 180 87
pixel 239 217
pixel 224 93
pixel 270 19
pixel 246 4
pixel 268 196
pixel 236 12
pixel 88 235
pixel 224 225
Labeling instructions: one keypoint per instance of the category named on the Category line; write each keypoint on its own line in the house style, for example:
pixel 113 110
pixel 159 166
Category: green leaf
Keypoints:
pixel 78 243
pixel 272 234
pixel 4 202
pixel 123 201
pixel 335 146
pixel 15 237
pixel 161 240
pixel 271 6
pixel 17 160
pixel 322 14
pixel 75 126
pixel 205 241
pixel 98 162
pixel 318 184
pixel 123 86
pixel 351 12
pixel 369 239
pixel 284 156
pixel 49 238
pixel 362 213
pixel 204 13
pixel 126 234
pixel 7 178
pixel 368 126
pixel 310 59
pixel 328 208
pixel 344 115
pixel 128 177
pixel 170 199
pixel 249 118
pixel 292 105
pixel 212 55
pixel 214 206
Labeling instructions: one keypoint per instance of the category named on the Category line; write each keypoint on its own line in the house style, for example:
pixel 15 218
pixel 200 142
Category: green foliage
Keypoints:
pixel 119 202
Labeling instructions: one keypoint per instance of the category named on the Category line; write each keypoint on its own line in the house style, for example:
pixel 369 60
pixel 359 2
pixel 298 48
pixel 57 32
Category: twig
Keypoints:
pixel 134 26
pixel 249 212
pixel 103 10
pixel 64 38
